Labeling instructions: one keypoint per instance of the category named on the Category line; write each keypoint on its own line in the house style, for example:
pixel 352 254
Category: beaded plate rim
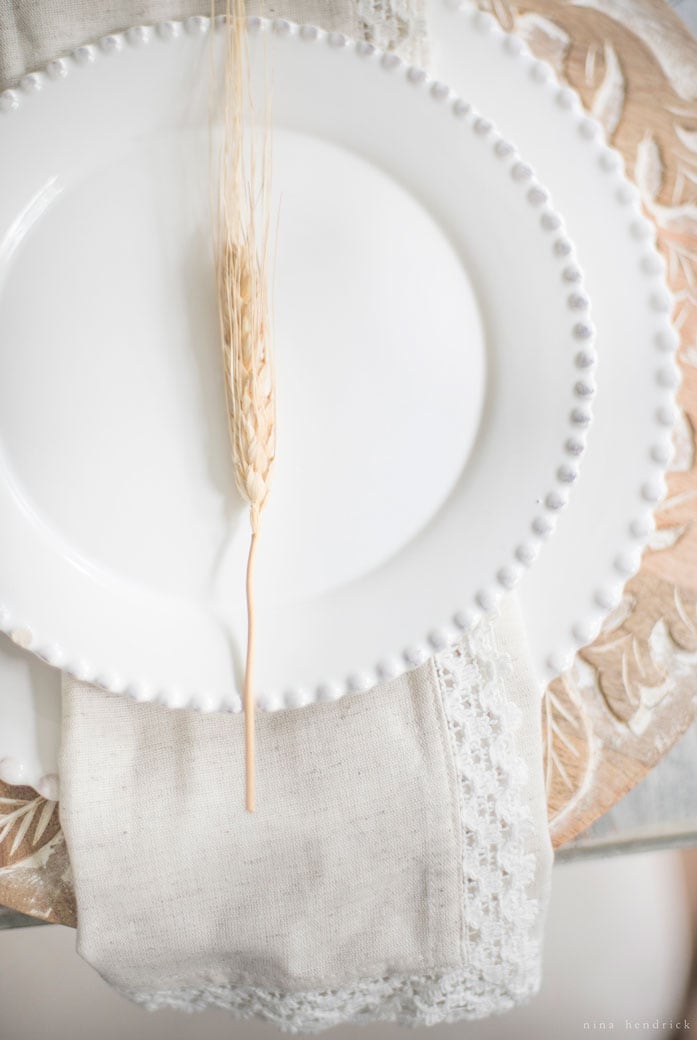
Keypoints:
pixel 506 577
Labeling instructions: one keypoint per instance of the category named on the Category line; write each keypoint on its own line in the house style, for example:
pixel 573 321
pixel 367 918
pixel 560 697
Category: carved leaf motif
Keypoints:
pixel 608 103
pixel 543 35
pixel 682 623
pixel 624 668
pixel 666 537
pixel 565 743
pixel 502 10
pixel 674 526
pixel 683 444
pixel 41 883
pixel 637 660
pixel 648 168
pixel 23 823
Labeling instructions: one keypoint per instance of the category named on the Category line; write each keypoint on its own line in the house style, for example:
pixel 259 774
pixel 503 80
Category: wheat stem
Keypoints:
pixel 248 701
pixel 241 272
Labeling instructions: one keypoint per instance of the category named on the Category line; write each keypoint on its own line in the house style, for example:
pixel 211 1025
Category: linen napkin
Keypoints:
pixel 398 865
pixel 31 34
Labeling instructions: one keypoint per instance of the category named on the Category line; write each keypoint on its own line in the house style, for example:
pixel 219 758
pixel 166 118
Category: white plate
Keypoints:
pixel 434 356
pixel 30 720
pixel 567 593
pixel 598 542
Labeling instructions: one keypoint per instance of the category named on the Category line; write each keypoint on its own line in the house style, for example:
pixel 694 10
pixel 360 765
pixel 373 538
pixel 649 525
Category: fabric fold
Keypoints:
pixel 397 867
pixel 349 868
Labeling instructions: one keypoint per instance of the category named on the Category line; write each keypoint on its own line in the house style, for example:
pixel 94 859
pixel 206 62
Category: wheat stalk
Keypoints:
pixel 241 272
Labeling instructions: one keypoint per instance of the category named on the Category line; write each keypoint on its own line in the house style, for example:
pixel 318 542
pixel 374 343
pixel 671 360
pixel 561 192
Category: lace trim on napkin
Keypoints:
pixel 501 941
pixel 501 948
pixel 395 25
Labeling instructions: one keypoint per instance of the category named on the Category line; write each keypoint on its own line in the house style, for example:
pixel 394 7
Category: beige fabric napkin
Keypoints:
pixel 398 865
pixel 31 32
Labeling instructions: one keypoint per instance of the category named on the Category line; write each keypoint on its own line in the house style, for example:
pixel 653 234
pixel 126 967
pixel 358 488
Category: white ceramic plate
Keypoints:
pixel 575 580
pixel 30 720
pixel 434 357
pixel 598 542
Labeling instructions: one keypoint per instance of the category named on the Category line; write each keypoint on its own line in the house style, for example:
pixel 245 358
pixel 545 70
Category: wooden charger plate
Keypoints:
pixel 630 694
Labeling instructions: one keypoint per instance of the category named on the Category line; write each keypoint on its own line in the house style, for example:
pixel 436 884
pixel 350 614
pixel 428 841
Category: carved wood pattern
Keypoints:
pixel 633 692
pixel 35 876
